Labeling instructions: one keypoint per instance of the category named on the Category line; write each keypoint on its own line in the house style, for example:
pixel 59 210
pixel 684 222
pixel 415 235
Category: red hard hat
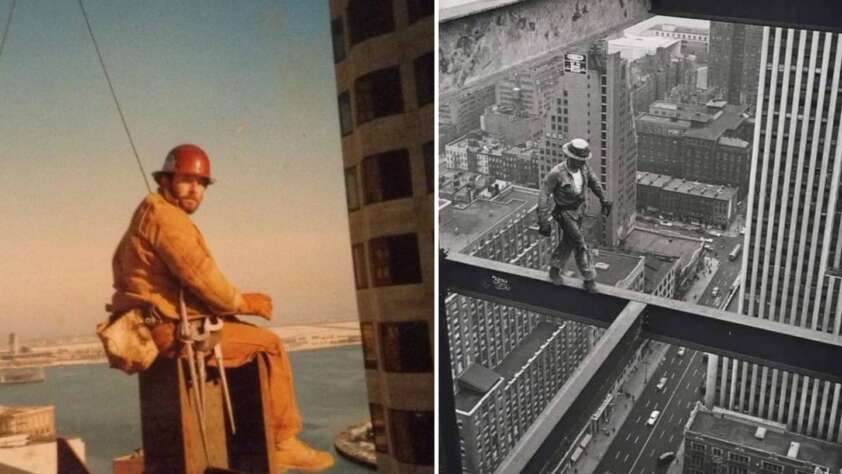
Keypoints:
pixel 186 159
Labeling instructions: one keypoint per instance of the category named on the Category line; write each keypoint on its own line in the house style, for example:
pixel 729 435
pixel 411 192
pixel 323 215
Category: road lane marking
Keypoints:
pixel 636 439
pixel 665 409
pixel 671 437
pixel 626 459
pixel 627 438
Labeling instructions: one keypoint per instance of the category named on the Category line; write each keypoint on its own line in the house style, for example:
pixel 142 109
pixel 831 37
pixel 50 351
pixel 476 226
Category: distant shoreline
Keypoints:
pixel 103 360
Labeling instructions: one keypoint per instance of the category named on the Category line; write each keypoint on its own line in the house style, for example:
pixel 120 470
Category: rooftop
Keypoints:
pixel 460 227
pixel 523 353
pixel 736 429
pixel 474 384
pixel 683 186
pixel 612 267
pixel 708 122
pixel 655 271
pixel 663 243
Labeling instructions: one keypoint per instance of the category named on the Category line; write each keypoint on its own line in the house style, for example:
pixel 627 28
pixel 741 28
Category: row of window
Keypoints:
pixel 411 434
pixel 379 93
pixel 386 176
pixel 370 18
pixel 393 260
pixel 405 346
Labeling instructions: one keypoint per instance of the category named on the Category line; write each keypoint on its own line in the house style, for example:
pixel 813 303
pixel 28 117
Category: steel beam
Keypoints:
pixel 765 342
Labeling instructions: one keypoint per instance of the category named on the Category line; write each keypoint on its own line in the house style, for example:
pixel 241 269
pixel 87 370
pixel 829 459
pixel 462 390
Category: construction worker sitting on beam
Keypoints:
pixel 562 198
pixel 162 255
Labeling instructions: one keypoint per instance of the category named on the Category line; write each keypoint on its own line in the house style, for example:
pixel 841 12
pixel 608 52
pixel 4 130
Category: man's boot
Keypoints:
pixel 555 276
pixel 295 454
pixel 590 285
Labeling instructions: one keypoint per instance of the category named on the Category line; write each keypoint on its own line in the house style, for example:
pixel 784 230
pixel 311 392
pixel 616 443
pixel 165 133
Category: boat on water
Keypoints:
pixel 11 375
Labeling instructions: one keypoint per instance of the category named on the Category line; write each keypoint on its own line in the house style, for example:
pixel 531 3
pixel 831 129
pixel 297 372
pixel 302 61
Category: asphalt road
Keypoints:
pixel 637 446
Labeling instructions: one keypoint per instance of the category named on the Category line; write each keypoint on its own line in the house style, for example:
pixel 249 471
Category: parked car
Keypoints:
pixel 662 383
pixel 681 351
pixel 653 418
pixel 715 291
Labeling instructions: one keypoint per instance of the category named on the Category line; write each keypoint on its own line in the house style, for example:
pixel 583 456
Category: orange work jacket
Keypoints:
pixel 161 250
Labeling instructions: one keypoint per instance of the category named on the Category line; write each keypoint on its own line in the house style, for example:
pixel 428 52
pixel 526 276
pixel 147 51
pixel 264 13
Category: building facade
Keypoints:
pixel 383 54
pixel 460 112
pixel 792 239
pixel 707 143
pixel 735 61
pixel 593 102
pixel 691 201
pixel 717 441
pixel 487 154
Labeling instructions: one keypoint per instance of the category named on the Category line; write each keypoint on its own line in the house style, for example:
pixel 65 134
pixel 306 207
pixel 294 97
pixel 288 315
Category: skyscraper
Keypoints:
pixel 734 60
pixel 383 54
pixel 793 244
pixel 592 101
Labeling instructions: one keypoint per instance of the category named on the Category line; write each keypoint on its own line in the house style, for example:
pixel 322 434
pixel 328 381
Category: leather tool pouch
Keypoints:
pixel 127 341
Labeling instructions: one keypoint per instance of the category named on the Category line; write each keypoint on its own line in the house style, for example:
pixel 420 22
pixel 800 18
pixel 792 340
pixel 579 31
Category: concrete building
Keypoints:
pixel 691 201
pixel 707 143
pixel 34 421
pixel 735 61
pixel 530 89
pixel 694 40
pixel 487 154
pixel 792 247
pixel 460 112
pixel 633 48
pixel 685 251
pixel 718 441
pixel 512 125
pixel 593 102
pixel 383 54
pixel 660 275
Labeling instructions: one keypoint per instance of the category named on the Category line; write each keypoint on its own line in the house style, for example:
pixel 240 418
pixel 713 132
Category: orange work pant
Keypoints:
pixel 241 342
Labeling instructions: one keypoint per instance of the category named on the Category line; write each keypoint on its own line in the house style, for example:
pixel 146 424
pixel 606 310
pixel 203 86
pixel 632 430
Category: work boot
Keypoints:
pixel 295 454
pixel 555 276
pixel 590 285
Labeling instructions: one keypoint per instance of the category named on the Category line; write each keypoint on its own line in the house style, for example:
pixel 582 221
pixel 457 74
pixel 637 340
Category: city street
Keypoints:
pixel 637 446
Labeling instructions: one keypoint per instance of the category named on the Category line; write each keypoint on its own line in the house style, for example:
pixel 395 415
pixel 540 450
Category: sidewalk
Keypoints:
pixel 623 406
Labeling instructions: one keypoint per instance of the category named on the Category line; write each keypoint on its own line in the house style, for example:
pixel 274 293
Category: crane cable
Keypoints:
pixel 114 95
pixel 6 28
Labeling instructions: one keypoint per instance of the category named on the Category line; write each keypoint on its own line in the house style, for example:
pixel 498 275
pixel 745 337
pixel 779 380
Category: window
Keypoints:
pixel 338 31
pixel 360 272
pixel 378 424
pixel 387 176
pixel 369 337
pixel 738 458
pixel 424 78
pixel 369 18
pixel 394 260
pixel 352 191
pixel 346 125
pixel 429 166
pixel 419 9
pixel 406 347
pixel 378 94
pixel 771 467
pixel 412 435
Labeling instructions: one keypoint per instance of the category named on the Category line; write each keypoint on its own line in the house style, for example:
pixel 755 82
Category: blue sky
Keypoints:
pixel 251 82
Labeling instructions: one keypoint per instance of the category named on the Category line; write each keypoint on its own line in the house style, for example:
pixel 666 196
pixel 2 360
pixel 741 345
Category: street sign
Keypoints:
pixel 576 63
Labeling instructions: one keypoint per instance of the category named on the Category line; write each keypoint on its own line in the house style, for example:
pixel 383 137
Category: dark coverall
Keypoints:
pixel 559 197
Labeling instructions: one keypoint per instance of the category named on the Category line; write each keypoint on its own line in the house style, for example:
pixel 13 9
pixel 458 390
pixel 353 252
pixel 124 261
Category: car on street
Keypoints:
pixel 666 457
pixel 662 383
pixel 715 291
pixel 653 418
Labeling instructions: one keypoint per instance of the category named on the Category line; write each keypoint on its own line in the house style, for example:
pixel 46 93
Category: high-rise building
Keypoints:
pixel 383 54
pixel 793 243
pixel 735 61
pixel 592 101
pixel 460 112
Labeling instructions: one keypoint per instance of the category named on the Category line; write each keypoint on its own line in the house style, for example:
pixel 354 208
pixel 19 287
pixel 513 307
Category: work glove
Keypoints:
pixel 606 208
pixel 257 304
pixel 545 229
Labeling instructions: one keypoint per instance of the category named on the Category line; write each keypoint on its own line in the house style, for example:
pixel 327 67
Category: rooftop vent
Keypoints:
pixel 602 266
pixel 793 450
pixel 760 433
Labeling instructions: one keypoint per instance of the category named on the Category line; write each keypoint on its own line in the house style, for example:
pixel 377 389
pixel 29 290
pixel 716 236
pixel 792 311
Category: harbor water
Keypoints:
pixel 101 406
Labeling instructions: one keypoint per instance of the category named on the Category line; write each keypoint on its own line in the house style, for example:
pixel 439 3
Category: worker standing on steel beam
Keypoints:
pixel 163 254
pixel 562 197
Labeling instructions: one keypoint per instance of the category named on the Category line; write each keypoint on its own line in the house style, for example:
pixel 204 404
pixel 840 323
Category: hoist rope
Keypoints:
pixel 114 95
pixel 6 28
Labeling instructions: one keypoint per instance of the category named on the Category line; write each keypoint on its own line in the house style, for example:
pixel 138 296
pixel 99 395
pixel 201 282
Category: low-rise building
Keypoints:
pixel 692 201
pixel 724 441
